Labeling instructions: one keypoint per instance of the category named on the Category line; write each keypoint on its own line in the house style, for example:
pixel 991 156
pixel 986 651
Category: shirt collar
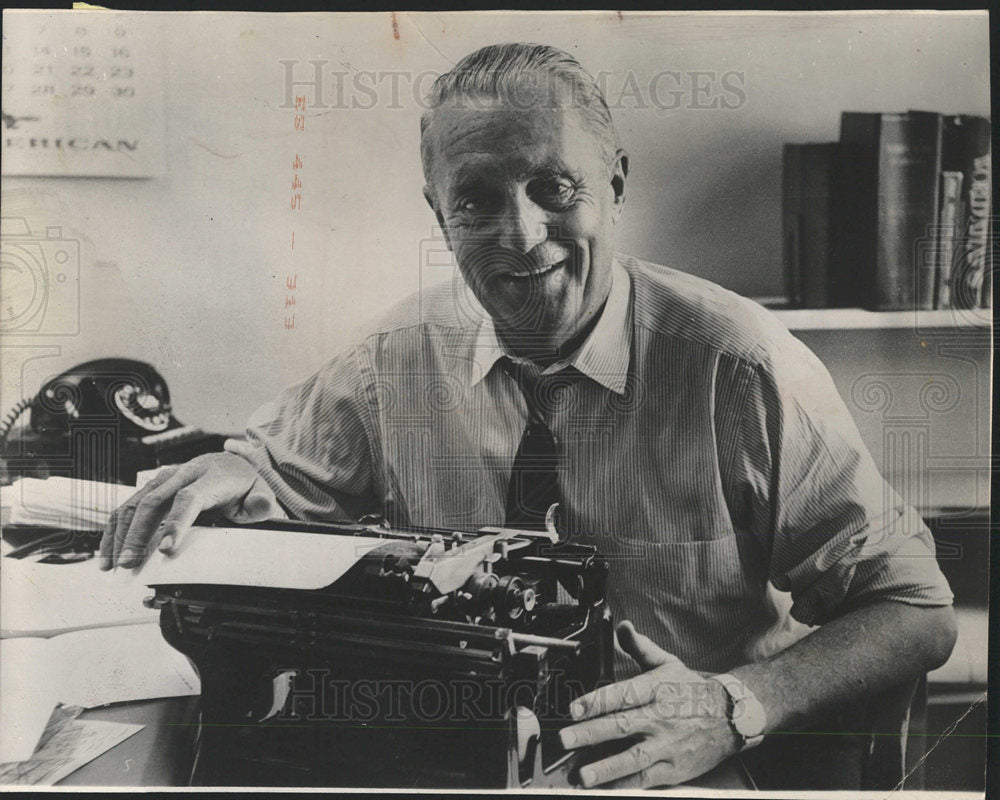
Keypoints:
pixel 603 356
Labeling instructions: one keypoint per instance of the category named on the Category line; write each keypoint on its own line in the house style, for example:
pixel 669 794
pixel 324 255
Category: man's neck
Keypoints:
pixel 546 355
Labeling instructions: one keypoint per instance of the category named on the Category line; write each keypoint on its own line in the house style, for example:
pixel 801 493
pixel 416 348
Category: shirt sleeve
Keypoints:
pixel 836 535
pixel 313 444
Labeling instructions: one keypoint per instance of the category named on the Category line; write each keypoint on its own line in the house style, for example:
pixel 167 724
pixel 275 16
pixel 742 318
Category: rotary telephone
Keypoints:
pixel 103 420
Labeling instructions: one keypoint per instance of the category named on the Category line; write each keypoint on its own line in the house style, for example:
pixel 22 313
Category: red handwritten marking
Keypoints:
pixel 395 27
pixel 292 280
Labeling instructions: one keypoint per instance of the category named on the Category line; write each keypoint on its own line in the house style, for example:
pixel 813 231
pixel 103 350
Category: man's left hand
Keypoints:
pixel 677 717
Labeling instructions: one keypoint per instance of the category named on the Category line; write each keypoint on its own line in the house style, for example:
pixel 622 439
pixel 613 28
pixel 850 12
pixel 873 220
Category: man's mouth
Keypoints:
pixel 539 271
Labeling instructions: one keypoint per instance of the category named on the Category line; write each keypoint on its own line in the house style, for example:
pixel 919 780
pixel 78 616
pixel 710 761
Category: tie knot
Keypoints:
pixel 542 393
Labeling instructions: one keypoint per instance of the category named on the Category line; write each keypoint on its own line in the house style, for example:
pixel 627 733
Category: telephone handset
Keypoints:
pixel 131 391
pixel 102 420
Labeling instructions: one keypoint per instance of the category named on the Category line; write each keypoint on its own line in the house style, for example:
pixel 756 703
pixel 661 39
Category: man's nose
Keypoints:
pixel 523 226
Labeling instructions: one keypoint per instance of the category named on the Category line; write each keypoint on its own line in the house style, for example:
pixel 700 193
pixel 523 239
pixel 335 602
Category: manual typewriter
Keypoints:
pixel 424 665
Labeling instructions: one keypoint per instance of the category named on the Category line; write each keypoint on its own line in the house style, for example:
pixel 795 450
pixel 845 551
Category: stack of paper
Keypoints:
pixel 63 502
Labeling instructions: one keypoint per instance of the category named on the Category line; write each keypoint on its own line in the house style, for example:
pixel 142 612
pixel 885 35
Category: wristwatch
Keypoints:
pixel 746 715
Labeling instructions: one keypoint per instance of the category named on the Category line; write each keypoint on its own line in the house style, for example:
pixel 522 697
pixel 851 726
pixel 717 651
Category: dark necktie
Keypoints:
pixel 534 479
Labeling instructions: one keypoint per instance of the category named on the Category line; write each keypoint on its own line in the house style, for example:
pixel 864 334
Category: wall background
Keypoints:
pixel 188 270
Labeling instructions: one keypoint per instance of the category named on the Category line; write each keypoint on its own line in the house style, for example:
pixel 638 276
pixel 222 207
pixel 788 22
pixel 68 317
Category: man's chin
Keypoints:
pixel 543 338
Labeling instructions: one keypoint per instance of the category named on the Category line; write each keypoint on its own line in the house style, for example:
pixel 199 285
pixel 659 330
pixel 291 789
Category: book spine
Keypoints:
pixel 908 170
pixel 967 149
pixel 807 180
pixel 791 222
pixel 986 301
pixel 970 271
pixel 854 214
pixel 817 169
pixel 951 187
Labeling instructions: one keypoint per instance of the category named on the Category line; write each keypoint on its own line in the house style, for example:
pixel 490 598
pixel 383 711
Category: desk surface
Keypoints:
pixel 161 754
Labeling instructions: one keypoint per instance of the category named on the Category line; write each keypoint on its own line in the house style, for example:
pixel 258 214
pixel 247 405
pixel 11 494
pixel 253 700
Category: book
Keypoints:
pixel 807 177
pixel 951 189
pixel 886 210
pixel 966 148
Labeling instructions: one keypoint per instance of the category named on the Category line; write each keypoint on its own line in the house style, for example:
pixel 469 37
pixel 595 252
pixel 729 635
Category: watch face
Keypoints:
pixel 748 718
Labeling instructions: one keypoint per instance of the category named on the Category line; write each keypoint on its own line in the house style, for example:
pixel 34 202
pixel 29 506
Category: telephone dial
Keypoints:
pixel 104 420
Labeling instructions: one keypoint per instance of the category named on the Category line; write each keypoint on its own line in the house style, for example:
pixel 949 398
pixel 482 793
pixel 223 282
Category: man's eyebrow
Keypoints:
pixel 473 175
pixel 468 175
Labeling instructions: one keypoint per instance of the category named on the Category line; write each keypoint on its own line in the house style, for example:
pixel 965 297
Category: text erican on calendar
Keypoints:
pixel 82 94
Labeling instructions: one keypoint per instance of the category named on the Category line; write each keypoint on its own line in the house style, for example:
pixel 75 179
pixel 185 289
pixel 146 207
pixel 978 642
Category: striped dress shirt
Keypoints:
pixel 703 449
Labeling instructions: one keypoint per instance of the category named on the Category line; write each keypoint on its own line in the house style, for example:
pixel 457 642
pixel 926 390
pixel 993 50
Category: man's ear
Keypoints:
pixel 432 202
pixel 619 172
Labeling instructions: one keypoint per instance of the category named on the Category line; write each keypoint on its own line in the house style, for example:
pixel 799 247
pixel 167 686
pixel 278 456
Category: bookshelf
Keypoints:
pixel 840 319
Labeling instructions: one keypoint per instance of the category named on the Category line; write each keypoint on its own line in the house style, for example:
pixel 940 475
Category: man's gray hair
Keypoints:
pixel 515 73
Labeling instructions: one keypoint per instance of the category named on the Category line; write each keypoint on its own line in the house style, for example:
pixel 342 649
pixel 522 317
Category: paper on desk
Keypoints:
pixel 256 557
pixel 83 669
pixel 121 664
pixel 63 502
pixel 48 599
pixel 28 693
pixel 76 743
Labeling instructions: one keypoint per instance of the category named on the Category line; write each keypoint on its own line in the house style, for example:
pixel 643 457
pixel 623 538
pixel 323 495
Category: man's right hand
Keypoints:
pixel 159 512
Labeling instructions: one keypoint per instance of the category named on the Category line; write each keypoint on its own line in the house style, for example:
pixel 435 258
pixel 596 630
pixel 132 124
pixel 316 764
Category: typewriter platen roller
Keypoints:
pixel 422 666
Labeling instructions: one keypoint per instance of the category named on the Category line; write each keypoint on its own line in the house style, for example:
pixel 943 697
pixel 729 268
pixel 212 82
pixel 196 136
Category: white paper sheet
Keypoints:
pixel 256 557
pixel 48 599
pixel 85 668
pixel 27 696
pixel 122 664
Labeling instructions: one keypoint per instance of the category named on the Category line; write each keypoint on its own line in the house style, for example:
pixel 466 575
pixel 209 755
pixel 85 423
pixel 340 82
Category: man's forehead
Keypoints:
pixel 501 121
pixel 467 136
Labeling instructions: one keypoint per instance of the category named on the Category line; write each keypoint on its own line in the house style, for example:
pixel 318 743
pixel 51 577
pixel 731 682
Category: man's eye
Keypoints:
pixel 471 204
pixel 558 191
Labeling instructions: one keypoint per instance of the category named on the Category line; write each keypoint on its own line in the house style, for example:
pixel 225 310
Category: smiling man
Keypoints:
pixel 680 428
pixel 527 190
